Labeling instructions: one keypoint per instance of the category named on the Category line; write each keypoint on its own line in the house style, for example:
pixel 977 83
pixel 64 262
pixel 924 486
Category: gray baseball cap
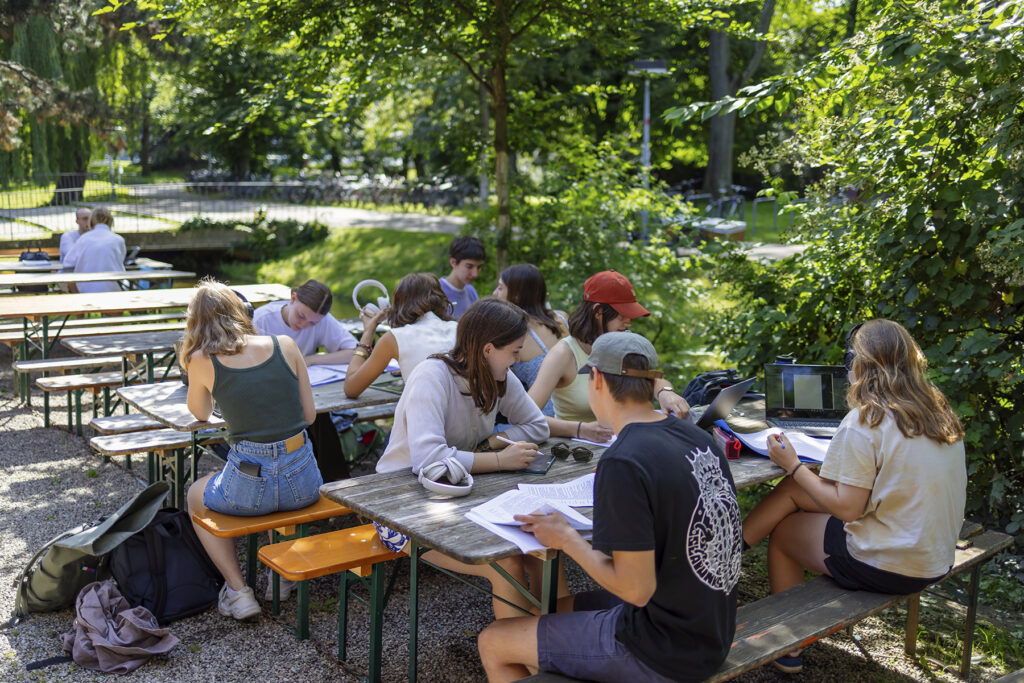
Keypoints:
pixel 611 347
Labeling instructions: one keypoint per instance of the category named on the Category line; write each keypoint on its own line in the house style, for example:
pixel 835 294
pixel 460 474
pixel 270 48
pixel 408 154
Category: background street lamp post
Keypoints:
pixel 647 67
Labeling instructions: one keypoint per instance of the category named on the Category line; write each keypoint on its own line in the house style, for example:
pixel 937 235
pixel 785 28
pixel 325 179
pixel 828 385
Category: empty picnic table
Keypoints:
pixel 14 266
pixel 128 345
pixel 131 278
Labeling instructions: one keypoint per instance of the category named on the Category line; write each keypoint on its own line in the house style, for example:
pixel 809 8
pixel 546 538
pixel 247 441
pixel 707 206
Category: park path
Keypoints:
pixel 157 208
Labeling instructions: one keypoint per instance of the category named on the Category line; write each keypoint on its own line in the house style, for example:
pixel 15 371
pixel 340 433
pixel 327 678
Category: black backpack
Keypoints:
pixel 165 569
pixel 37 255
pixel 703 388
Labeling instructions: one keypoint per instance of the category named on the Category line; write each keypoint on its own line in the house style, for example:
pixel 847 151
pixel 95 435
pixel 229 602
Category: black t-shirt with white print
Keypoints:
pixel 661 486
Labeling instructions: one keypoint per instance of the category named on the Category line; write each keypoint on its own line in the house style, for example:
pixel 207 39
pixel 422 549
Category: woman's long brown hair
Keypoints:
pixel 488 321
pixel 888 368
pixel 216 321
pixel 415 295
pixel 526 289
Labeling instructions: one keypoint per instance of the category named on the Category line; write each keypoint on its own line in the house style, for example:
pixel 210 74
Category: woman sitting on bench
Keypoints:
pixel 447 411
pixel 885 512
pixel 421 325
pixel 262 391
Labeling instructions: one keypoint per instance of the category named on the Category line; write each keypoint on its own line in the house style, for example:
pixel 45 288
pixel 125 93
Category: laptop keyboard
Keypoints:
pixel 804 424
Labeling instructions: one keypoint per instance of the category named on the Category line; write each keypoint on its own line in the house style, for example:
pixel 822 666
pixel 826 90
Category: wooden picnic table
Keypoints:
pixel 129 345
pixel 397 500
pixel 15 266
pixel 165 402
pixel 132 277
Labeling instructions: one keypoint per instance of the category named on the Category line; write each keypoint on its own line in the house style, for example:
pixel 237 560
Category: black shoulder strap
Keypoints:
pixel 49 661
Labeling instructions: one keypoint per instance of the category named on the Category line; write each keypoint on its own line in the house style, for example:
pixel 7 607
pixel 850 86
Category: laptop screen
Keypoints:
pixel 805 391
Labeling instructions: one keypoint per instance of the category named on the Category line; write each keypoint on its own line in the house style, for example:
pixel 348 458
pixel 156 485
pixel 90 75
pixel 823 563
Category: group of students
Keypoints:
pixel 668 537
pixel 93 248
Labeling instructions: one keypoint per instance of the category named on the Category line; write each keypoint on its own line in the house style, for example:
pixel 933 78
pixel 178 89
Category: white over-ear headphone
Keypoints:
pixel 382 301
pixel 461 481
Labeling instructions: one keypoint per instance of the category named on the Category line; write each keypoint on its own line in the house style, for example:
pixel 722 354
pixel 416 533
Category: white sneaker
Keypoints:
pixel 240 605
pixel 284 591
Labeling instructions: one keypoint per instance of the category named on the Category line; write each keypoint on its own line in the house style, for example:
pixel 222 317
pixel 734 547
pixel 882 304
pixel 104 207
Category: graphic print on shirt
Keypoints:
pixel 713 538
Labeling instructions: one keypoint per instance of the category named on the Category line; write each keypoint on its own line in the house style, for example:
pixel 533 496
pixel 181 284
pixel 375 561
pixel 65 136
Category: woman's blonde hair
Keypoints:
pixel 888 368
pixel 101 214
pixel 216 321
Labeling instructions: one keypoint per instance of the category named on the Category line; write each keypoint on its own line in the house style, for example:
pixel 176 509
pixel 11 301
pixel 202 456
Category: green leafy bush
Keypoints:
pixel 918 115
pixel 265 239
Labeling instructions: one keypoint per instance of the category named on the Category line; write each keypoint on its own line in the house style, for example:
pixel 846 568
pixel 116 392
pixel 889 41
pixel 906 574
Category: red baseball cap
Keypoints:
pixel 609 287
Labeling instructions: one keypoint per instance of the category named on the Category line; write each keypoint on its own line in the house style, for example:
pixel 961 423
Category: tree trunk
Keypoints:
pixel 851 19
pixel 718 175
pixel 483 178
pixel 501 165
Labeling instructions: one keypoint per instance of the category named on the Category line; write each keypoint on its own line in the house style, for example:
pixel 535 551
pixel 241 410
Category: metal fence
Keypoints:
pixel 38 214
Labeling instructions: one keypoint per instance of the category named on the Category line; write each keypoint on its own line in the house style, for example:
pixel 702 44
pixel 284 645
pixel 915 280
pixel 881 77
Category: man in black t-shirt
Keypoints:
pixel 666 546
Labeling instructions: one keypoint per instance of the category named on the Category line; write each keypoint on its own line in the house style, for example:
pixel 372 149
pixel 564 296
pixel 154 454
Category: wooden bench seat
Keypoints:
pixel 99 322
pixel 164 447
pixel 94 382
pixel 14 338
pixel 232 526
pixel 353 553
pixel 804 614
pixel 62 364
pixel 123 424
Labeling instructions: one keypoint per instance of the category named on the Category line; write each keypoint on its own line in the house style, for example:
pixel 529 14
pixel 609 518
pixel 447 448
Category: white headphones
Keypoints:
pixel 382 301
pixel 450 468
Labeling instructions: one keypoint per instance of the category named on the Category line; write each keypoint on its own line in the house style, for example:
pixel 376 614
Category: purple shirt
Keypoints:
pixel 461 299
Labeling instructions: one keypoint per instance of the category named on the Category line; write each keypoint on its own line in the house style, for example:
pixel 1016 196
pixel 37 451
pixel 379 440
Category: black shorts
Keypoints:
pixel 852 574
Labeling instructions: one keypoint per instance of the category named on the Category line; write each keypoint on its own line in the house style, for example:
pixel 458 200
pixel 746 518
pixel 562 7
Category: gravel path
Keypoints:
pixel 50 481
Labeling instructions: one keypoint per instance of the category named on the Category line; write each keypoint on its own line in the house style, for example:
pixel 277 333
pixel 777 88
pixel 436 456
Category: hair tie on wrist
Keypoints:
pixel 798 466
pixel 579 425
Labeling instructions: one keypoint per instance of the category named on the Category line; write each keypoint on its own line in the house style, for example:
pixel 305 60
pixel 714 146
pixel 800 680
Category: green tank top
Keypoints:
pixel 259 403
pixel 571 401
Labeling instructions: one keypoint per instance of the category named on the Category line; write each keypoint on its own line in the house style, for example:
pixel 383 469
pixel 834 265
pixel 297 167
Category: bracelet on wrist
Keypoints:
pixel 798 466
pixel 579 426
pixel 361 353
pixel 361 345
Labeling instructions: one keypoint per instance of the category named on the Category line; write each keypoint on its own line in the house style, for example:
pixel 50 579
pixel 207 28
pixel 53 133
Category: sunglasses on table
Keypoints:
pixel 578 453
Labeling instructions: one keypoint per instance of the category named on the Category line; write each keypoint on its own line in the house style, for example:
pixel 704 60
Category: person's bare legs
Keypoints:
pixel 535 568
pixel 221 550
pixel 784 500
pixel 797 543
pixel 508 649
pixel 499 585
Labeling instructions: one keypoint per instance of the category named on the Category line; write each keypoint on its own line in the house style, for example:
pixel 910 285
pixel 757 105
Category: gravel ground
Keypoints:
pixel 46 487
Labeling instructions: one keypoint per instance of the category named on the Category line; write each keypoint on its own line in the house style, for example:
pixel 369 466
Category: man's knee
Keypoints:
pixel 489 642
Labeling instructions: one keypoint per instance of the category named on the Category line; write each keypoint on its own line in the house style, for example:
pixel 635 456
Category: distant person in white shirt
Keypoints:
pixel 97 251
pixel 68 239
pixel 307 319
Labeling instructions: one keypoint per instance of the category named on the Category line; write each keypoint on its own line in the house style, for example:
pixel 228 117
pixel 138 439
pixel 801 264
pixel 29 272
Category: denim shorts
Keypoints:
pixel 287 481
pixel 852 574
pixel 582 644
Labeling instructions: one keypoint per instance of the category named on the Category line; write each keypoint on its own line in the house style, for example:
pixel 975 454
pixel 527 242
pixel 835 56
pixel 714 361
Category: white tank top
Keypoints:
pixel 422 339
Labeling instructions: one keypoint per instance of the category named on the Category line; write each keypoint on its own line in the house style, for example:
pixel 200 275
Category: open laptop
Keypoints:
pixel 723 404
pixel 806 398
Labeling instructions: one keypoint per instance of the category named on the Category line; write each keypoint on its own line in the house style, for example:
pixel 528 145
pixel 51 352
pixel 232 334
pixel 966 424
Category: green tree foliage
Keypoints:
pixel 916 119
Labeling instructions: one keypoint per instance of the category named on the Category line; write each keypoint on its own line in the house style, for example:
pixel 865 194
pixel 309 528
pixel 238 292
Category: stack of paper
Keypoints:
pixel 497 516
pixel 807 448
pixel 577 493
pixel 325 374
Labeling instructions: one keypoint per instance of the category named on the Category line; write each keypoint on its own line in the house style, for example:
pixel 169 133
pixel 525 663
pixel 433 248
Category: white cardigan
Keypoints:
pixel 435 418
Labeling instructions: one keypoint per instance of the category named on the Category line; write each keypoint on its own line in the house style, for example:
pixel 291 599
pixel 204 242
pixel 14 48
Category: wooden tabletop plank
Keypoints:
pixel 17 266
pixel 25 279
pixel 165 402
pixel 36 307
pixel 124 344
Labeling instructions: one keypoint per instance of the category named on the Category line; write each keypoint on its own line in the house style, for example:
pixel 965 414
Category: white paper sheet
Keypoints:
pixel 807 447
pixel 325 374
pixel 606 444
pixel 526 542
pixel 501 509
pixel 576 493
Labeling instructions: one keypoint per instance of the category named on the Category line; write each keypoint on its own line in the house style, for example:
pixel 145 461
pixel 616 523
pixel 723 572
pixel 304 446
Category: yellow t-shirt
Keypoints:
pixel 918 492
pixel 571 401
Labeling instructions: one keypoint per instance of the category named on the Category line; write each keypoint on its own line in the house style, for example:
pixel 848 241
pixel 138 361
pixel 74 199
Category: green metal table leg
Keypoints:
pixel 414 604
pixel 46 409
pixel 302 607
pixel 149 368
pixel 78 412
pixel 250 560
pixel 71 416
pixel 106 401
pixel 23 377
pixel 549 587
pixel 343 584
pixel 179 478
pixel 151 476
pixel 376 621
pixel 972 613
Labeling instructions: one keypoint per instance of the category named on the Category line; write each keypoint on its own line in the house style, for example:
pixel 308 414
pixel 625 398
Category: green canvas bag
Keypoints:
pixel 63 566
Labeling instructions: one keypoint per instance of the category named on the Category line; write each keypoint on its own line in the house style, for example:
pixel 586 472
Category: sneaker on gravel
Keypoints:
pixel 240 605
pixel 284 592
pixel 790 663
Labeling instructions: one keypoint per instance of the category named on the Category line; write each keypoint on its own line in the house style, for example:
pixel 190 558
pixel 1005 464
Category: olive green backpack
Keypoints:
pixel 62 567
